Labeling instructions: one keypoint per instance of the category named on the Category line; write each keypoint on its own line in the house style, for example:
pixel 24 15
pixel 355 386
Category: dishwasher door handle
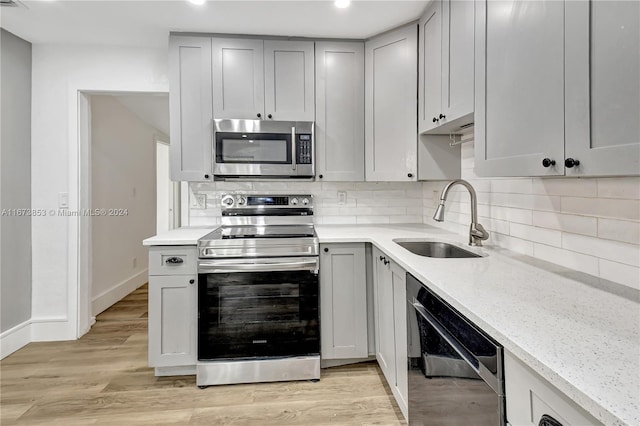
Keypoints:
pixel 466 356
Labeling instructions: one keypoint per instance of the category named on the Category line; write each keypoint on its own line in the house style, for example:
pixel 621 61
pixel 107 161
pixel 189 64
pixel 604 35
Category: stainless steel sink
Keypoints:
pixel 435 249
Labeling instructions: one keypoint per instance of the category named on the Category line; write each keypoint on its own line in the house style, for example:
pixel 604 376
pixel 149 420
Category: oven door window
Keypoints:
pixel 258 314
pixel 253 148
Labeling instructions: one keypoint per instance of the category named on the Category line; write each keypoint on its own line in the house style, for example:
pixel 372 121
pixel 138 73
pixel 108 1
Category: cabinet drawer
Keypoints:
pixel 173 260
pixel 529 397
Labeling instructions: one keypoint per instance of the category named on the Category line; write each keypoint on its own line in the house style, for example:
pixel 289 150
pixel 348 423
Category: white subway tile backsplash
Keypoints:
pixel 511 243
pixel 601 207
pixel 619 230
pixel 626 187
pixel 629 254
pixel 573 187
pixel 565 222
pixel 372 219
pixel 539 235
pixel 511 186
pixel 617 272
pixel 569 259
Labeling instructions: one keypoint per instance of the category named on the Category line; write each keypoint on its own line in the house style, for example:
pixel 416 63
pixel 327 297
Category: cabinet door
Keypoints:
pixel 430 82
pixel 399 282
pixel 603 87
pixel 457 60
pixel 238 78
pixel 385 339
pixel 172 320
pixel 343 301
pixel 519 99
pixel 390 105
pixel 190 104
pixel 340 111
pixel 289 80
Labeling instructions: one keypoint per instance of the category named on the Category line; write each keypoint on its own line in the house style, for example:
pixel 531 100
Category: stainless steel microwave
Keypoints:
pixel 257 149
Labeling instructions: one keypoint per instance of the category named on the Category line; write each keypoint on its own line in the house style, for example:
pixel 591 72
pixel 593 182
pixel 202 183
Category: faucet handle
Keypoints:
pixel 477 233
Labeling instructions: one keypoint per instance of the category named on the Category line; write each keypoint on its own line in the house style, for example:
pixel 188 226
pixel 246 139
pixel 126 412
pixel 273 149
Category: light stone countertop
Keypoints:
pixel 582 339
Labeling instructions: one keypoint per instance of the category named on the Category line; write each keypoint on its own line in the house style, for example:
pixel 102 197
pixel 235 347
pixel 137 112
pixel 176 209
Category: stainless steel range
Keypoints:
pixel 258 318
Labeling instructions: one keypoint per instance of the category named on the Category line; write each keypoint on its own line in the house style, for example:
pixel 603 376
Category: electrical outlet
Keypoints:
pixel 63 200
pixel 342 198
pixel 199 201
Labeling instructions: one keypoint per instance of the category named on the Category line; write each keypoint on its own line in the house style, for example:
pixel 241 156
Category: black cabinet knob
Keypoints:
pixel 410 175
pixel 270 116
pixel 570 163
pixel 547 162
pixel 320 176
pixel 382 257
pixel 192 281
pixel 386 262
pixel 435 120
pixel 259 115
pixel 442 116
pixel 206 176
pixel 326 250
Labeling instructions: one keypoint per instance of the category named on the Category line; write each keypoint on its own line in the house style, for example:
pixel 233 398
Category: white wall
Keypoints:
pixel 367 202
pixel 59 73
pixel 15 193
pixel 587 224
pixel 122 177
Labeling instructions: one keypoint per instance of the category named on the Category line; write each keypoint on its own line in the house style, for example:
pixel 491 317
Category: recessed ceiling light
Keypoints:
pixel 341 4
pixel 198 2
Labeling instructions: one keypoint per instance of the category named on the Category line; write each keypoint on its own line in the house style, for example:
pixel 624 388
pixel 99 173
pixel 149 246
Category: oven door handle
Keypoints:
pixel 293 148
pixel 467 356
pixel 258 265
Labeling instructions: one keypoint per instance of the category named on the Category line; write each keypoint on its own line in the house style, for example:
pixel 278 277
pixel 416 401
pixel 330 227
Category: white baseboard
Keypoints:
pixel 103 301
pixel 15 338
pixel 52 330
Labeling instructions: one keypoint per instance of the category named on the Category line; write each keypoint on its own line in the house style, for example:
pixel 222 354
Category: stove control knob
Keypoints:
pixel 305 201
pixel 227 200
pixel 241 201
pixel 294 202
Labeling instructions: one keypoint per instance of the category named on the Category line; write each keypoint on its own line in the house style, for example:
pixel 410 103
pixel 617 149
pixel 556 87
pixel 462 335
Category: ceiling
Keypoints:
pixel 148 23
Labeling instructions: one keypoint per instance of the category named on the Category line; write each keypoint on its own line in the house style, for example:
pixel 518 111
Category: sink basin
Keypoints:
pixel 436 249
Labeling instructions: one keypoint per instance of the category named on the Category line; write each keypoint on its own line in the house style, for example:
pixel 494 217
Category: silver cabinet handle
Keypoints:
pixel 174 261
pixel 467 356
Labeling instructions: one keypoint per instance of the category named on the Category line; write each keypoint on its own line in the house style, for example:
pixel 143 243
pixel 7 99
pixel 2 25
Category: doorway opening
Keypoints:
pixel 126 188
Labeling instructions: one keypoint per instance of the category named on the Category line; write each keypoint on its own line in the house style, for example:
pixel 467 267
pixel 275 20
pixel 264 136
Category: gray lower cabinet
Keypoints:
pixel 343 301
pixel 556 88
pixel 173 294
pixel 391 65
pixel 391 325
pixel 190 105
pixel 340 111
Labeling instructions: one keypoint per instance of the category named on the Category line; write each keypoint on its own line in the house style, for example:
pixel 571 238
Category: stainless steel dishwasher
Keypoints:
pixel 455 369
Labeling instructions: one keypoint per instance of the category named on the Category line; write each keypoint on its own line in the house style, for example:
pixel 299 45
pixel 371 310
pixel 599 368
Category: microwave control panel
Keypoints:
pixel 304 148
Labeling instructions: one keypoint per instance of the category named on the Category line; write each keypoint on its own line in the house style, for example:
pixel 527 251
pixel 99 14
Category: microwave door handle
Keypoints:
pixel 471 360
pixel 293 148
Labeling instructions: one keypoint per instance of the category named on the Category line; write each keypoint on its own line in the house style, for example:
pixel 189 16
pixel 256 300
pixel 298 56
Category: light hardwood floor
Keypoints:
pixel 103 378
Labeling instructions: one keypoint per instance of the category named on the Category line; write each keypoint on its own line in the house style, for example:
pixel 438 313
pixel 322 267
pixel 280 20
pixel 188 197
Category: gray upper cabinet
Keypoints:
pixel 603 87
pixel 430 68
pixel 238 78
pixel 343 301
pixel 446 60
pixel 289 80
pixel 190 103
pixel 391 64
pixel 557 88
pixel 340 111
pixel 519 87
pixel 263 79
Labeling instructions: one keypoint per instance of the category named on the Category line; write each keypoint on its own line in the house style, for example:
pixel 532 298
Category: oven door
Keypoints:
pixel 258 308
pixel 254 154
